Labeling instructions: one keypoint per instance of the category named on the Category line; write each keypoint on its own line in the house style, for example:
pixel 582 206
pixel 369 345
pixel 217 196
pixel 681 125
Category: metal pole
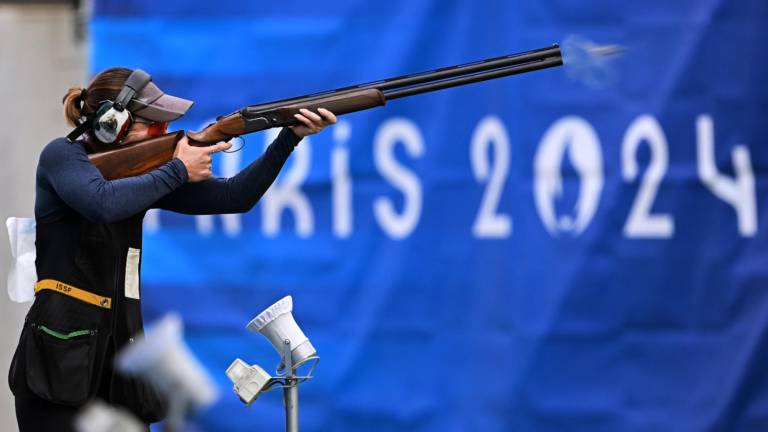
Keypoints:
pixel 290 391
pixel 291 401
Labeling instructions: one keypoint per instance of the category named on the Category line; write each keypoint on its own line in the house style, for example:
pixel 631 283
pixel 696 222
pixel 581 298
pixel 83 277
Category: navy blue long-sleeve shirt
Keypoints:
pixel 67 181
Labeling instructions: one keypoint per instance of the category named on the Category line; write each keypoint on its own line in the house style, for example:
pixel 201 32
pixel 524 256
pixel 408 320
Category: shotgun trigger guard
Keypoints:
pixel 242 144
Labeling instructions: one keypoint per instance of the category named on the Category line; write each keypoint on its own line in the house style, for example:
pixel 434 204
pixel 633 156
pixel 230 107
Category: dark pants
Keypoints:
pixel 39 415
pixel 35 414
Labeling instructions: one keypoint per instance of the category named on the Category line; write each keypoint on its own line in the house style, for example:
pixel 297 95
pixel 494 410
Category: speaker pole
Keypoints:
pixel 290 391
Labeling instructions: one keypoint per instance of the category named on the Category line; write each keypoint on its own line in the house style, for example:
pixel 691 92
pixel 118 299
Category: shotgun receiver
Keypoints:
pixel 144 156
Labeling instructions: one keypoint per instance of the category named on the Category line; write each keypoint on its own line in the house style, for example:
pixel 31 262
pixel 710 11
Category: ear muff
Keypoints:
pixel 110 123
pixel 112 120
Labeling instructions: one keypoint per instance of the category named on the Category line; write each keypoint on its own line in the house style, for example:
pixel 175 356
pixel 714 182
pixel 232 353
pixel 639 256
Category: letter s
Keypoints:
pixel 390 133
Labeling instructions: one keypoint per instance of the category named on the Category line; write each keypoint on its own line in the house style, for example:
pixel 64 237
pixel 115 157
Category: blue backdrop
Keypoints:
pixel 547 252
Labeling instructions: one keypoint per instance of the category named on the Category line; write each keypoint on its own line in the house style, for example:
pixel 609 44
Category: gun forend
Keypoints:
pixel 339 103
pixel 250 120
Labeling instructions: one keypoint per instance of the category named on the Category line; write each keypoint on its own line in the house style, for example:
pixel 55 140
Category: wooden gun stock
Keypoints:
pixel 136 158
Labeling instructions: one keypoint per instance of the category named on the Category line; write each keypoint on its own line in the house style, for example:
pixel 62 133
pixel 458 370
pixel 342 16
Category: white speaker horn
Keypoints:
pixel 277 324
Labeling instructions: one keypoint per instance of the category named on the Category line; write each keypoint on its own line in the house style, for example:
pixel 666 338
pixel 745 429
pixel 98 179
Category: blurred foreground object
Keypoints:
pixel 589 63
pixel 97 416
pixel 277 324
pixel 162 359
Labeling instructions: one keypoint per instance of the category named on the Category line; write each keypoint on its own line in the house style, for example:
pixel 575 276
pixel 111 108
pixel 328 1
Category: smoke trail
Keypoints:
pixel 591 64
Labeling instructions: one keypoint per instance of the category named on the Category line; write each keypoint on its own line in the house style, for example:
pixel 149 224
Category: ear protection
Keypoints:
pixel 112 120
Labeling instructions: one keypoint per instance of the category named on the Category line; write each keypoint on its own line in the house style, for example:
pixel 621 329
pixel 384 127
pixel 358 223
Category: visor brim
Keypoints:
pixel 152 104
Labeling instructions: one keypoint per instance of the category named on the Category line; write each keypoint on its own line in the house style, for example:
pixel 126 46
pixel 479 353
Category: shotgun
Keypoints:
pixel 143 156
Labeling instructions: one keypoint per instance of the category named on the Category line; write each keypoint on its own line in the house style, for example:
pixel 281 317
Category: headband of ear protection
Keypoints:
pixel 112 120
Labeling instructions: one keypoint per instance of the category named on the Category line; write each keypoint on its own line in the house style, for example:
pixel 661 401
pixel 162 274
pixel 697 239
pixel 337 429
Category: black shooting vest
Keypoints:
pixel 67 347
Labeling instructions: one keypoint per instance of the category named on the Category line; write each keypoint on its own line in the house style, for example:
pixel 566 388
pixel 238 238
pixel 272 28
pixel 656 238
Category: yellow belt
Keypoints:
pixel 74 292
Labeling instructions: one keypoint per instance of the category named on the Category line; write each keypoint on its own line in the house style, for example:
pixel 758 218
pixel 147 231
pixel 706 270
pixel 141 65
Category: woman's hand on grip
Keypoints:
pixel 198 160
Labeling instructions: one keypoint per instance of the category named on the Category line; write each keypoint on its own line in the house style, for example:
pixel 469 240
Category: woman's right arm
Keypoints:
pixel 81 186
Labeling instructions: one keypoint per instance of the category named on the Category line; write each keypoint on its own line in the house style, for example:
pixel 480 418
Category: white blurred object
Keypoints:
pixel 22 275
pixel 589 63
pixel 249 380
pixel 162 359
pixel 277 324
pixel 97 416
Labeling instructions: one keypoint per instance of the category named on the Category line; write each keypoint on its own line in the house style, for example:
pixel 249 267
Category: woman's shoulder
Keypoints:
pixel 59 149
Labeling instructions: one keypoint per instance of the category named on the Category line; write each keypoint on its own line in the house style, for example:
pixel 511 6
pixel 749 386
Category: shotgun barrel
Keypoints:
pixel 551 54
pixel 359 97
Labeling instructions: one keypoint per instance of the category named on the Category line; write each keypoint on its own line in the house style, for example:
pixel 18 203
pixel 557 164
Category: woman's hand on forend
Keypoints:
pixel 311 123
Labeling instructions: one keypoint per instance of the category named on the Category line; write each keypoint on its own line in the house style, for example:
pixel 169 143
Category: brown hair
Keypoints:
pixel 79 103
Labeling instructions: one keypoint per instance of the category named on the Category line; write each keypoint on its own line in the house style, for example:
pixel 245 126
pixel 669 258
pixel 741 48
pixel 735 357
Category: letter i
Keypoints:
pixel 341 181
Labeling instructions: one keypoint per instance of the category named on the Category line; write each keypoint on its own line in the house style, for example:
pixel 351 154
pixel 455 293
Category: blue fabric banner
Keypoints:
pixel 577 249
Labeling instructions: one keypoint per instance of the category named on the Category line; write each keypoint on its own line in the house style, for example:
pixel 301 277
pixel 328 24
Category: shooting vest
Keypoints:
pixel 87 307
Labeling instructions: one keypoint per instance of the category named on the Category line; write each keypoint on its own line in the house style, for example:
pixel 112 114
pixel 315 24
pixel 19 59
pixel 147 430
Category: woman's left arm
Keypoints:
pixel 240 193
